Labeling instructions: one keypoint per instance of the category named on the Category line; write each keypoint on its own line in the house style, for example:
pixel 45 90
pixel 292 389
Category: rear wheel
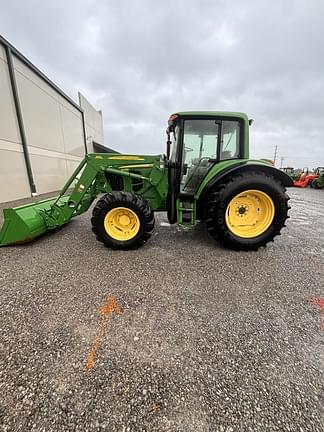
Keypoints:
pixel 314 184
pixel 122 220
pixel 247 211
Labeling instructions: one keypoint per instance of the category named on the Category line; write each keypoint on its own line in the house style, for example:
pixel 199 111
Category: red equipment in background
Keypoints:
pixel 305 179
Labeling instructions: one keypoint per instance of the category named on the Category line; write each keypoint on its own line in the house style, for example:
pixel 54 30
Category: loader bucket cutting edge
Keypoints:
pixel 25 223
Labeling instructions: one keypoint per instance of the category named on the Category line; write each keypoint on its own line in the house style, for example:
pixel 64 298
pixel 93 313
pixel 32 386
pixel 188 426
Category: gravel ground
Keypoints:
pixel 209 339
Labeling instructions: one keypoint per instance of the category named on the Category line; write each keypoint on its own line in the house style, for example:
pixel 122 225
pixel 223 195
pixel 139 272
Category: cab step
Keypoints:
pixel 186 211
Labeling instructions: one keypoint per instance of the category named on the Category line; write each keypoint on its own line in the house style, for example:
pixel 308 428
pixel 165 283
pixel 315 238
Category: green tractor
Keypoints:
pixel 292 172
pixel 206 175
pixel 318 183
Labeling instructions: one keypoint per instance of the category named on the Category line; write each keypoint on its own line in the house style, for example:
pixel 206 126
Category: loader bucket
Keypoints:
pixel 23 224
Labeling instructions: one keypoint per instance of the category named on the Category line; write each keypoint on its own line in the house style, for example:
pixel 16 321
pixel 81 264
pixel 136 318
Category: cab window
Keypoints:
pixel 200 138
pixel 230 140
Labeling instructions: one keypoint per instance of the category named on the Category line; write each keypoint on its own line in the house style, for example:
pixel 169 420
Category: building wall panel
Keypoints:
pixel 3 53
pixel 41 115
pixel 93 123
pixel 13 175
pixel 8 122
pixel 71 166
pixel 49 172
pixel 32 76
pixel 72 132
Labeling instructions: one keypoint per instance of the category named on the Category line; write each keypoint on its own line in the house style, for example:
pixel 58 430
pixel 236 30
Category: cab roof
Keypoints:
pixel 212 113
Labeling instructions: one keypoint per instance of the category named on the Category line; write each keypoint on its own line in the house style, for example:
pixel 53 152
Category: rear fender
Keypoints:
pixel 231 171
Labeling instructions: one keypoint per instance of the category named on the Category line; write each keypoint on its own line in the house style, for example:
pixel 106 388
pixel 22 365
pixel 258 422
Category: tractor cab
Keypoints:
pixel 196 142
pixel 288 170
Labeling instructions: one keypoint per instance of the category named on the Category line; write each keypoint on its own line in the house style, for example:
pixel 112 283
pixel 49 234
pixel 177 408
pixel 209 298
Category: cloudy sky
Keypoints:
pixel 140 60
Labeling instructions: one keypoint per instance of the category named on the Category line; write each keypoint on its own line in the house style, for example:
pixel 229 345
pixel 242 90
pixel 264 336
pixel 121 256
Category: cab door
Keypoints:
pixel 200 144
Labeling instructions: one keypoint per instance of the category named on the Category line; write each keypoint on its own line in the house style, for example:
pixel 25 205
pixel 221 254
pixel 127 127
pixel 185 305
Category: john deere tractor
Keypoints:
pixel 206 175
pixel 318 182
pixel 293 173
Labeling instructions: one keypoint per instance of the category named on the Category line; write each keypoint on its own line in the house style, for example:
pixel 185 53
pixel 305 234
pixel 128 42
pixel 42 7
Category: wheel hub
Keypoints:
pixel 121 223
pixel 242 210
pixel 124 220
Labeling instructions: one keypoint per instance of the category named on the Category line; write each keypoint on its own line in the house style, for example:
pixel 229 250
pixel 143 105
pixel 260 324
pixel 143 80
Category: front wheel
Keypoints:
pixel 122 220
pixel 247 211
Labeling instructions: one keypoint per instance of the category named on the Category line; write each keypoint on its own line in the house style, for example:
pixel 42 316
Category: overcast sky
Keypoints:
pixel 140 60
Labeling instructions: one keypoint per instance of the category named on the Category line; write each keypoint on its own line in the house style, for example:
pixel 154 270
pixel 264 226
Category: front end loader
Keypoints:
pixel 206 175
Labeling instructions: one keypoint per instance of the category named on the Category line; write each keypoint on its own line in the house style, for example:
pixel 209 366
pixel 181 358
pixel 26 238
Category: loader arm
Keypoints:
pixel 22 224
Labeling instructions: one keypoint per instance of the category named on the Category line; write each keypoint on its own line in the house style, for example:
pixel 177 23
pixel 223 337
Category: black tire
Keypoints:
pixel 315 185
pixel 223 193
pixel 128 200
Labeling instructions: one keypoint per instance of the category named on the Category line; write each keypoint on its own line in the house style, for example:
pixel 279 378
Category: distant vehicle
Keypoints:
pixel 318 183
pixel 288 170
pixel 292 172
pixel 307 177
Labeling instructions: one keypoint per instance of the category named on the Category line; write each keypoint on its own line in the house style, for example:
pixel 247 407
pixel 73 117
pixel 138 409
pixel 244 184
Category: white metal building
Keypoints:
pixel 43 133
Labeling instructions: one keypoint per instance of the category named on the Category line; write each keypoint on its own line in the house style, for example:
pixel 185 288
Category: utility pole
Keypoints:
pixel 281 162
pixel 275 155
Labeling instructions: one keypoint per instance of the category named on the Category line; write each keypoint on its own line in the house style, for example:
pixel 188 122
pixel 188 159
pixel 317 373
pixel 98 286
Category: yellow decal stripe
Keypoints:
pixel 124 157
pixel 137 166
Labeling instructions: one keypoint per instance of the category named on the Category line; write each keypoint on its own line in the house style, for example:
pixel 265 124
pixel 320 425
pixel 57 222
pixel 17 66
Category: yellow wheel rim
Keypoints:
pixel 250 213
pixel 121 223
